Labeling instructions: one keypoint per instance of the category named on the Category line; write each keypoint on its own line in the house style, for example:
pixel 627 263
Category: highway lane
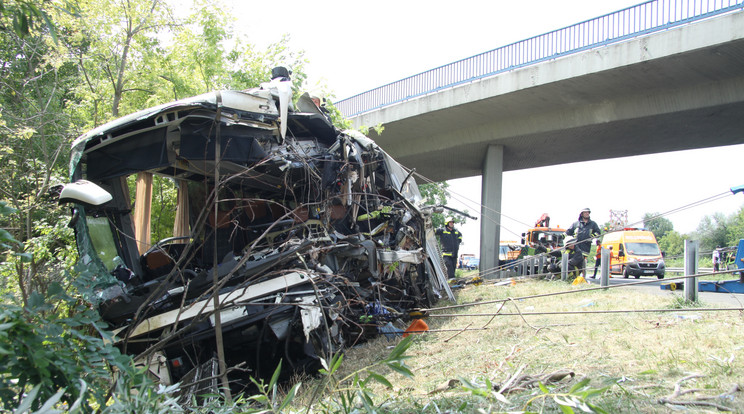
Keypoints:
pixel 653 286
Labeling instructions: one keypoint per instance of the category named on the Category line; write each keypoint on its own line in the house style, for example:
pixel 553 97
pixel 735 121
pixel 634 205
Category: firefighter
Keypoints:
pixel 450 239
pixel 585 229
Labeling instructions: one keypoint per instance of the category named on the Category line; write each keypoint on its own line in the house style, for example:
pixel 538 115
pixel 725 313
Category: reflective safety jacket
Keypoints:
pixel 450 240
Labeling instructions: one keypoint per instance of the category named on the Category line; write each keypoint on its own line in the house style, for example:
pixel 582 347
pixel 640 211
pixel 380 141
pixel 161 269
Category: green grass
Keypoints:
pixel 628 361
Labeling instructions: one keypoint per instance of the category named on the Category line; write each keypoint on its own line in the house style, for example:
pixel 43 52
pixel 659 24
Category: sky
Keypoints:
pixel 355 46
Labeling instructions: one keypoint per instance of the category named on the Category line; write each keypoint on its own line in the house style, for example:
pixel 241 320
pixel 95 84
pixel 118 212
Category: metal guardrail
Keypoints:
pixel 644 18
pixel 682 269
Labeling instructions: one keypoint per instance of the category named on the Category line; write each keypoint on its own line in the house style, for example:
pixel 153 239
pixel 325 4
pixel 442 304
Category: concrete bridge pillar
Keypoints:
pixel 493 168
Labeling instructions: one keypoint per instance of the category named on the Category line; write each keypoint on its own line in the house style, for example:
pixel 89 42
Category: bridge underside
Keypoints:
pixel 683 101
pixel 675 90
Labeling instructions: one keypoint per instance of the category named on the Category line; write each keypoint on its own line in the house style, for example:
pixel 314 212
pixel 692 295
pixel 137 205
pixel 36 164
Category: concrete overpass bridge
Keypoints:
pixel 664 75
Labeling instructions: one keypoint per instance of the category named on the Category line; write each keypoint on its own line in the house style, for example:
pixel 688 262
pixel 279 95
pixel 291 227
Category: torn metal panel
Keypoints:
pixel 405 256
pixel 298 228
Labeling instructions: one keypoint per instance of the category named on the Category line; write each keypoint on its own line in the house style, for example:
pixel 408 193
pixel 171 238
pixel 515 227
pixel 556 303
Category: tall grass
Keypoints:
pixel 626 362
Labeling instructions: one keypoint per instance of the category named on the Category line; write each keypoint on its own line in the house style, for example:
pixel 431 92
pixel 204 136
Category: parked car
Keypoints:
pixel 470 262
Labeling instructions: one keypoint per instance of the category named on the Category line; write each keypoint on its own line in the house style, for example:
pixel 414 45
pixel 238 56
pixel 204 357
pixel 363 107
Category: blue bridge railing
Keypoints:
pixel 644 18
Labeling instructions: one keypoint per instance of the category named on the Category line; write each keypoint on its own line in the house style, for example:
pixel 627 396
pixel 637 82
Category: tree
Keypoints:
pixel 712 232
pixel 657 224
pixel 735 229
pixel 114 43
pixel 23 17
pixel 436 194
pixel 35 132
pixel 672 244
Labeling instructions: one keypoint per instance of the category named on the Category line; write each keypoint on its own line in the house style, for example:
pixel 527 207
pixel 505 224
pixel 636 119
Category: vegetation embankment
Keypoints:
pixel 630 362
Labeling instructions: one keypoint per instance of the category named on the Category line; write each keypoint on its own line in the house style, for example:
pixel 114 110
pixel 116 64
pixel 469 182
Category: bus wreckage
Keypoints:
pixel 291 239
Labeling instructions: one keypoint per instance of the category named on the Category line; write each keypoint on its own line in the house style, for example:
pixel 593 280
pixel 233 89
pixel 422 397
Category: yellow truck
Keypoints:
pixel 634 252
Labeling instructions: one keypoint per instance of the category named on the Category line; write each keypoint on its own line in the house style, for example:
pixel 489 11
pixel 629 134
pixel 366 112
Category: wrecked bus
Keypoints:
pixel 291 238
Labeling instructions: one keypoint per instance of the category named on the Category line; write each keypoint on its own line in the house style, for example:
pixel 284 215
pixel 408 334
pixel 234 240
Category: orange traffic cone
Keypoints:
pixel 417 326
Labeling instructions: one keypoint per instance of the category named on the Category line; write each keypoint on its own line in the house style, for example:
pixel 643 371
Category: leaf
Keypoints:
pixel 275 377
pixel 563 401
pixel 584 407
pixel 25 257
pixel 499 396
pixel 379 378
pixel 337 362
pixel 51 402
pixel 598 410
pixel 27 400
pixel 5 209
pixel 6 237
pixel 290 396
pixel 401 369
pixel 401 348
pixel 35 300
pixel 54 289
pixel 579 385
pixel 566 410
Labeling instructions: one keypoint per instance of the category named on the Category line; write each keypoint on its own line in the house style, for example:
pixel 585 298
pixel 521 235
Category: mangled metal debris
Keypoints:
pixel 309 237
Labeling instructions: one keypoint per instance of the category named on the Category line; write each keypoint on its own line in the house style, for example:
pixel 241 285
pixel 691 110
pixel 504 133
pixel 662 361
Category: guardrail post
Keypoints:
pixel 691 268
pixel 604 268
pixel 531 265
pixel 540 263
pixel 564 266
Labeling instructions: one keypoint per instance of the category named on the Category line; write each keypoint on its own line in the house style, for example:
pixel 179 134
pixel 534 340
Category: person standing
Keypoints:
pixel 450 239
pixel 597 258
pixel 716 258
pixel 584 230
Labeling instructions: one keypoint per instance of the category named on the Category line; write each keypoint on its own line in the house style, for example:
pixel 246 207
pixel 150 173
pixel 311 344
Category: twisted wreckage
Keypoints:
pixel 291 238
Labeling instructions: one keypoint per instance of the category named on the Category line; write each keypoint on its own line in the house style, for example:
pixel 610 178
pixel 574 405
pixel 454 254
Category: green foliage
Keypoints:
pixel 436 194
pixel 673 244
pixel 337 117
pixel 577 398
pixel 135 393
pixel 735 228
pixel 712 232
pixel 7 241
pixel 24 17
pixel 164 198
pixel 34 128
pixel 353 391
pixel 53 344
pixel 267 400
pixel 657 224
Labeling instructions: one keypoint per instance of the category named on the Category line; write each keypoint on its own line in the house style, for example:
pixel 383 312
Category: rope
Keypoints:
pixel 640 282
pixel 450 315
pixel 467 201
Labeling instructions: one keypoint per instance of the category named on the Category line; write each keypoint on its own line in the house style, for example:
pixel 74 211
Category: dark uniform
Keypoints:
pixel 450 240
pixel 584 230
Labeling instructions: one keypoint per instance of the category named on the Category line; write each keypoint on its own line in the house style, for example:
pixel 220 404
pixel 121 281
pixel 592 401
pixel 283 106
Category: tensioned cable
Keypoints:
pixel 542 295
pixel 450 315
pixel 592 312
pixel 687 206
pixel 468 201
pixel 461 197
